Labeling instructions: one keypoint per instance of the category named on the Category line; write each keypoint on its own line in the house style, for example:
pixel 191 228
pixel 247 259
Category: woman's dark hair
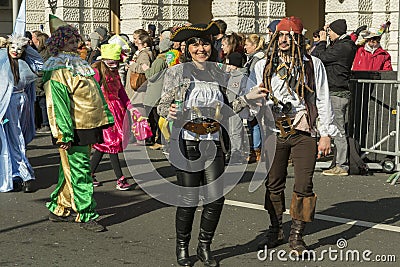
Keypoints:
pixel 193 40
pixel 104 72
pixel 14 65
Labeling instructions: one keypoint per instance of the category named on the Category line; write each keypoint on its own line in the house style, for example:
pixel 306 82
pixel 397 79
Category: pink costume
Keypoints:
pixel 115 137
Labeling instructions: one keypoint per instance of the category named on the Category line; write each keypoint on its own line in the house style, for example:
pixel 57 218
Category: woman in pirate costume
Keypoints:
pixel 77 114
pixel 194 100
pixel 298 96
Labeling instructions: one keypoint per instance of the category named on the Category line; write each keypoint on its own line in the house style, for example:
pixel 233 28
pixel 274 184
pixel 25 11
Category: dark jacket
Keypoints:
pixel 338 59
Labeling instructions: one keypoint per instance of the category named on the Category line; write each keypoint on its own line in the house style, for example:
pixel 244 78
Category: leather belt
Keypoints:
pixel 285 126
pixel 203 127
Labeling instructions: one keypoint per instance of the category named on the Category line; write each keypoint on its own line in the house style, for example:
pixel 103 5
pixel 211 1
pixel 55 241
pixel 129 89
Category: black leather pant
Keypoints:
pixel 206 169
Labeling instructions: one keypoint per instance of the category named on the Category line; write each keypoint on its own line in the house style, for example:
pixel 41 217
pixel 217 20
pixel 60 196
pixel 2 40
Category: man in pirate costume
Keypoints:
pixel 77 113
pixel 299 96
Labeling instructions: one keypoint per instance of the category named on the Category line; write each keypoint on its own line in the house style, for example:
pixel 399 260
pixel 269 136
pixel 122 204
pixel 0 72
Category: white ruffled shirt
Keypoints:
pixel 203 94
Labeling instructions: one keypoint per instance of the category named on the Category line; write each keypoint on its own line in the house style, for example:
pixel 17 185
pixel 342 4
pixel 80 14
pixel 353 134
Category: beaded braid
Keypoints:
pixel 297 52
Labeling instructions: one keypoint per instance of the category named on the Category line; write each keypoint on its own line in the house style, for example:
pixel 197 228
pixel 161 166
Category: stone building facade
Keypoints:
pixel 244 16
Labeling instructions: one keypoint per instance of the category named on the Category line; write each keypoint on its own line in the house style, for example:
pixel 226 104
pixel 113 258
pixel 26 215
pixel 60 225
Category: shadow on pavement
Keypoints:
pixel 381 211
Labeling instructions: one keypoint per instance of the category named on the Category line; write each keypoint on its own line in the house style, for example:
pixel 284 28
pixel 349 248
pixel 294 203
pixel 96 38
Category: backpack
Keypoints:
pixel 356 164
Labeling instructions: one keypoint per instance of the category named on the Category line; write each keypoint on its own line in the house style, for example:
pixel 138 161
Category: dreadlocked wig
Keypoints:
pixel 297 53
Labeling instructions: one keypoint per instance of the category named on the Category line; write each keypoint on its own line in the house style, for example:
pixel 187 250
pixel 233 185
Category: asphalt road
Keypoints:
pixel 362 212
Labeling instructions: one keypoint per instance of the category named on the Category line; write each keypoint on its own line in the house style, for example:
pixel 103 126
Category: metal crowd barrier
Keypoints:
pixel 374 119
pixel 374 122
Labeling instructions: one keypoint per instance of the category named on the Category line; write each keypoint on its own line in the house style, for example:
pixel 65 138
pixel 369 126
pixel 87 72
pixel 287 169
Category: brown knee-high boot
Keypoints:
pixel 302 210
pixel 275 205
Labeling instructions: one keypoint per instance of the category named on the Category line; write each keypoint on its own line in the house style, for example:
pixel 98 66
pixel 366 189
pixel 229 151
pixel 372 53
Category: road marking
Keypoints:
pixel 328 218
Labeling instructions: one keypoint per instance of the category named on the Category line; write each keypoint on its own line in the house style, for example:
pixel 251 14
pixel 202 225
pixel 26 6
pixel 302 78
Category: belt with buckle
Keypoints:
pixel 285 126
pixel 202 127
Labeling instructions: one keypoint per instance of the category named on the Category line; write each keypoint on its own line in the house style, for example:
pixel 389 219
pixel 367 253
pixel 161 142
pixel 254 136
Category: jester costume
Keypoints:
pixel 77 113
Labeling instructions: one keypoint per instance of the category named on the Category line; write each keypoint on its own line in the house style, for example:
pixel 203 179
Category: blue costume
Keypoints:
pixel 16 128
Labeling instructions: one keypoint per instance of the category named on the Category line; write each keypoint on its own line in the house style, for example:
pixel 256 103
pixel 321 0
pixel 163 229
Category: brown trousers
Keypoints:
pixel 304 152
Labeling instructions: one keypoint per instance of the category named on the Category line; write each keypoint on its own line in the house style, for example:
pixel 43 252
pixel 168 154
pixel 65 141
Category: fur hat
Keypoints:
pixel 195 30
pixel 290 24
pixel 339 26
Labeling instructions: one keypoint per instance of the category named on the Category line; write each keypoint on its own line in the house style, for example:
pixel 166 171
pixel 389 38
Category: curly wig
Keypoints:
pixel 60 37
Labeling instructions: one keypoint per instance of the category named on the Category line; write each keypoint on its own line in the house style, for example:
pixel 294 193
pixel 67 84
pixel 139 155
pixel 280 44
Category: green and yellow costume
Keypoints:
pixel 77 113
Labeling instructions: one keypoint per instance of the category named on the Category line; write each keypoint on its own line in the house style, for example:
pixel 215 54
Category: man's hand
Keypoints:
pixel 257 92
pixel 324 146
pixel 322 35
pixel 65 146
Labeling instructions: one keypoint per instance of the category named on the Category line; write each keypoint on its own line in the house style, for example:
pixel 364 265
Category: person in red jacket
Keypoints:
pixel 370 55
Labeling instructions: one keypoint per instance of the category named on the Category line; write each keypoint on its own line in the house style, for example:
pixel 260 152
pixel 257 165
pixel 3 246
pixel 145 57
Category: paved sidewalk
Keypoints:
pixel 362 211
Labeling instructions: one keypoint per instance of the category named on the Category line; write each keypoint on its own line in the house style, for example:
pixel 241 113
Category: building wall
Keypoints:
pixel 248 16
pixel 86 15
pixel 136 14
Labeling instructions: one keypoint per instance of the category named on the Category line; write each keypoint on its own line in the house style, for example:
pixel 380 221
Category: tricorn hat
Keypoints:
pixel 196 30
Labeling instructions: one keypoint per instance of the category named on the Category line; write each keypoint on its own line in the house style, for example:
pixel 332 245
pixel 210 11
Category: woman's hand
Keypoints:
pixel 145 67
pixel 65 146
pixel 133 109
pixel 172 112
pixel 324 146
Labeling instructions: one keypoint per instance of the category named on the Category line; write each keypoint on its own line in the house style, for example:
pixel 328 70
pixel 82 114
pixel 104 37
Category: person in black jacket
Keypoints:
pixel 338 58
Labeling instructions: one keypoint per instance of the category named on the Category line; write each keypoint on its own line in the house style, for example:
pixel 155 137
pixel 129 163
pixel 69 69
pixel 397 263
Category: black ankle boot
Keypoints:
pixel 204 255
pixel 182 254
pixel 296 241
